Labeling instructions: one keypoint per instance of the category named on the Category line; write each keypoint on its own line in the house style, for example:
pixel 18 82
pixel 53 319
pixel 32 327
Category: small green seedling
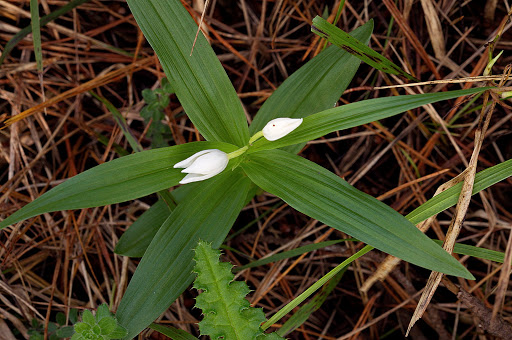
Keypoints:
pixel 102 326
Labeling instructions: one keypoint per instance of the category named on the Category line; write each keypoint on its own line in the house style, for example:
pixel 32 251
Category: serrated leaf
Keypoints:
pixel 120 180
pixel 355 114
pixel 207 215
pixel 336 36
pixel 107 325
pixel 88 318
pixel 315 87
pixel 118 333
pixel 318 193
pixel 227 313
pixel 103 312
pixel 65 332
pixel 199 81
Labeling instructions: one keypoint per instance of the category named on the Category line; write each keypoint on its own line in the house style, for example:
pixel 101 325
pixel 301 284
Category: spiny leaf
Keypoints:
pixel 227 314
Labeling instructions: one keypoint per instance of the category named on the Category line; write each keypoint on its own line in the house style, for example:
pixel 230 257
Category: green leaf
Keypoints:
pixel 88 318
pixel 165 271
pixel 118 333
pixel 103 312
pixel 449 197
pixel 44 20
pixel 73 315
pixel 355 114
pixel 314 287
pixel 138 236
pixel 226 312
pixel 60 318
pixel 107 325
pixel 116 181
pixel 320 194
pixel 315 87
pixel 288 254
pixel 344 41
pixel 173 333
pixel 300 316
pixel 199 81
pixel 36 34
pixel 481 253
pixel 65 332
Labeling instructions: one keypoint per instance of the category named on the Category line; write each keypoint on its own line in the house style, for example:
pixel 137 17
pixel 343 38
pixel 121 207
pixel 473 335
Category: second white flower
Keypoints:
pixel 203 165
pixel 280 127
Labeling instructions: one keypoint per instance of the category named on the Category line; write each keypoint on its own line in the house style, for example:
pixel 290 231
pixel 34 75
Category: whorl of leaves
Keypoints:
pixel 227 314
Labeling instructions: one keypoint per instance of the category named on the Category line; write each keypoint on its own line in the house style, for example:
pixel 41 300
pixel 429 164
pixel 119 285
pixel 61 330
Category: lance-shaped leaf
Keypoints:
pixel 314 87
pixel 199 80
pixel 355 114
pixel 344 41
pixel 449 197
pixel 120 180
pixel 316 192
pixel 165 271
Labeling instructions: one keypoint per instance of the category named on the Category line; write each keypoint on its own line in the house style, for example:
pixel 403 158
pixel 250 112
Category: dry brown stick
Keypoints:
pixel 411 36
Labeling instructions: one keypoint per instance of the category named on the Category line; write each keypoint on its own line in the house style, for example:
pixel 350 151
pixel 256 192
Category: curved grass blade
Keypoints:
pixel 120 180
pixel 200 83
pixel 449 197
pixel 314 287
pixel 334 35
pixel 172 332
pixel 320 194
pixel 301 315
pixel 314 87
pixel 44 20
pixel 355 114
pixel 165 271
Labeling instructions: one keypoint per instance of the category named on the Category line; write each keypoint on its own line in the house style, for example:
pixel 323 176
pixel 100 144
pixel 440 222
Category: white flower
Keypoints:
pixel 203 165
pixel 280 127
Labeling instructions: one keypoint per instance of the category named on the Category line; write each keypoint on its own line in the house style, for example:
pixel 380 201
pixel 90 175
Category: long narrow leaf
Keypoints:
pixel 344 41
pixel 449 197
pixel 116 181
pixel 314 87
pixel 165 271
pixel 201 84
pixel 44 20
pixel 355 114
pixel 316 192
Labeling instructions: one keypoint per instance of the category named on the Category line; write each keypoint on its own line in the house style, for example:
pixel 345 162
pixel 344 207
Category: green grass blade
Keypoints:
pixel 201 84
pixel 287 254
pixel 116 181
pixel 320 194
pixel 43 21
pixel 314 287
pixel 355 114
pixel 481 253
pixel 172 332
pixel 121 122
pixel 165 271
pixel 344 41
pixel 303 314
pixel 314 87
pixel 449 197
pixel 36 34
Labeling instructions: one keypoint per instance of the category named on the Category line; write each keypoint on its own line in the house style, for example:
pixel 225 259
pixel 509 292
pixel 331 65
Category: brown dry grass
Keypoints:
pixel 65 260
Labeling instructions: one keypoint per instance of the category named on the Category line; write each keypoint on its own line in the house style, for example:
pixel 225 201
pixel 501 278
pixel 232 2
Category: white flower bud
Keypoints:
pixel 203 165
pixel 280 127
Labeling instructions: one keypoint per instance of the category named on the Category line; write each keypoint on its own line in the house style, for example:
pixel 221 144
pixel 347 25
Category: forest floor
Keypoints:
pixel 64 260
